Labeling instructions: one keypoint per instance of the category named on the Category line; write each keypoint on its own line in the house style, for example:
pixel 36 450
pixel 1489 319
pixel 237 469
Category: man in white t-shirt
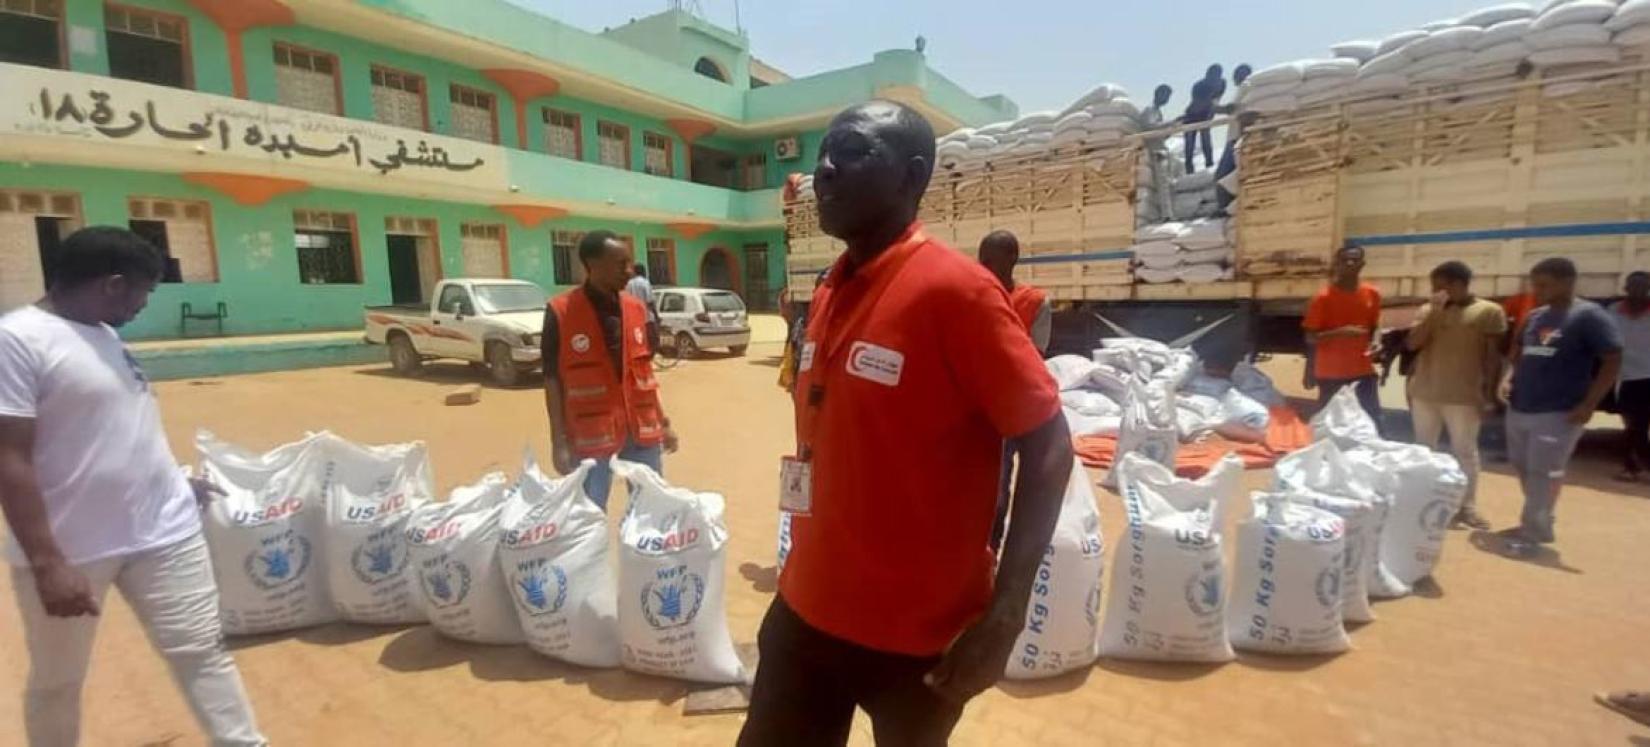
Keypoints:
pixel 94 499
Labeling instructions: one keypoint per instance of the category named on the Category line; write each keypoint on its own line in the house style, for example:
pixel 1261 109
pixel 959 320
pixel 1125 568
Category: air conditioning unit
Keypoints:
pixel 787 148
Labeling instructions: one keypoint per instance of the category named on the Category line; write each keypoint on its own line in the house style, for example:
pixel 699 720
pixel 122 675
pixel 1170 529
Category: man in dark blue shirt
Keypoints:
pixel 1206 95
pixel 1565 360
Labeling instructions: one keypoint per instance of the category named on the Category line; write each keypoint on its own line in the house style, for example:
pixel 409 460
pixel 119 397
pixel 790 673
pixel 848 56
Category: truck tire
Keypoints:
pixel 404 358
pixel 501 366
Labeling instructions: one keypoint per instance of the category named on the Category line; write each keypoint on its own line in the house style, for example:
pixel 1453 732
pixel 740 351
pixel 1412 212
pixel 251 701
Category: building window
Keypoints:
pixel 475 114
pixel 482 247
pixel 564 254
pixel 708 68
pixel 147 46
pixel 615 143
pixel 31 32
pixel 561 134
pixel 661 261
pixel 33 226
pixel 398 99
pixel 326 248
pixel 756 171
pixel 658 152
pixel 306 79
pixel 182 230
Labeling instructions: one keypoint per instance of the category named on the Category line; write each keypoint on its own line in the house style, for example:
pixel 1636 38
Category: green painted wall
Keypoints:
pixel 208 49
pixel 258 265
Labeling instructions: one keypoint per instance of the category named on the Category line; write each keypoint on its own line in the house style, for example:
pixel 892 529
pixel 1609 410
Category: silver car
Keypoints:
pixel 695 319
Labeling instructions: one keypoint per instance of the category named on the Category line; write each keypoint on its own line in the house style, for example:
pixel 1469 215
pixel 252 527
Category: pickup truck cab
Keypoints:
pixel 489 322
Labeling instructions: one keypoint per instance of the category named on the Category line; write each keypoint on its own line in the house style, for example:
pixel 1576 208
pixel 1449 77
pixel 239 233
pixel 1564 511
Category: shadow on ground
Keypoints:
pixel 333 634
pixel 1162 671
pixel 764 579
pixel 1065 683
pixel 1543 556
pixel 453 374
pixel 423 649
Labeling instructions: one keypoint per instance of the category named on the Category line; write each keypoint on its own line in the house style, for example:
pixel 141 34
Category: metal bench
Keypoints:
pixel 190 315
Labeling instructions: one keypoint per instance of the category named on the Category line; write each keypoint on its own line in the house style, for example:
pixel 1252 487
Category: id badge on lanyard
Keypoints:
pixel 796 486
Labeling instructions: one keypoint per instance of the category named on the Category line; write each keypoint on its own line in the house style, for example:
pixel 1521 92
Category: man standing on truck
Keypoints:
pixel 914 370
pixel 1457 337
pixel 1157 152
pixel 599 387
pixel 1565 360
pixel 95 499
pixel 1206 95
pixel 1340 325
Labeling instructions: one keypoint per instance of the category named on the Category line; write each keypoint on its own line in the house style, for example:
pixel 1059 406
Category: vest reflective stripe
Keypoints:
pixel 605 408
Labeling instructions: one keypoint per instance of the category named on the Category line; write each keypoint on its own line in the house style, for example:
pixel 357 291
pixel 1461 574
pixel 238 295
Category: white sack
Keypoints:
pixel 1344 421
pixel 554 551
pixel 1255 384
pixel 1428 493
pixel 1446 40
pixel 1382 582
pixel 1245 410
pixel 1155 249
pixel 672 614
pixel 1503 33
pixel 1566 37
pixel 1338 68
pixel 1091 403
pixel 1204 273
pixel 1398 41
pixel 371 493
pixel 1149 427
pixel 1286 581
pixel 1161 232
pixel 1197 182
pixel 1495 14
pixel 1062 626
pixel 1070 371
pixel 1633 37
pixel 1207 385
pixel 454 551
pixel 1513 51
pixel 1388 62
pixel 1282 73
pixel 1168 579
pixel 1572 13
pixel 1600 55
pixel 1320 476
pixel 1358 51
pixel 1160 261
pixel 1631 13
pixel 265 535
pixel 1213 256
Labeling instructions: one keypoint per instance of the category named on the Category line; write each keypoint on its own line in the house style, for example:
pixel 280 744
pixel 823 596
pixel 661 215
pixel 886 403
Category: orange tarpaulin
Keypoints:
pixel 1285 433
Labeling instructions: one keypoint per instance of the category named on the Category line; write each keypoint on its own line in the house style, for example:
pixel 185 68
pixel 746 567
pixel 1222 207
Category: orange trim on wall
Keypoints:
pixel 238 16
pixel 691 230
pixel 690 129
pixel 245 189
pixel 523 85
pixel 530 216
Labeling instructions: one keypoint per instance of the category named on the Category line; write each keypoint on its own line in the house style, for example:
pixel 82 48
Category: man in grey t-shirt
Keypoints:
pixel 1565 360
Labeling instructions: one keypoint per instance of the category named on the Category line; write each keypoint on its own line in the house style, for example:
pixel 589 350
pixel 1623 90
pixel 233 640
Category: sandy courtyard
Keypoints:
pixel 1497 652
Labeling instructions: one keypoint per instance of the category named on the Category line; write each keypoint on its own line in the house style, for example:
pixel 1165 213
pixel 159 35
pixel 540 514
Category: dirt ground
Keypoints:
pixel 1496 652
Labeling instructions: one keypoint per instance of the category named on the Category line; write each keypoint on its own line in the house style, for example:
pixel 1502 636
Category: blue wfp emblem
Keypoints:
pixel 1329 584
pixel 1203 592
pixel 1436 516
pixel 278 561
pixel 375 561
pixel 541 587
pixel 673 601
pixel 447 583
pixel 1091 606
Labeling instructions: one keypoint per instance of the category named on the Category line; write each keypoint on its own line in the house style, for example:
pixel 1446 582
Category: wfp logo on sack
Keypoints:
pixel 676 539
pixel 672 598
pixel 446 582
pixel 364 513
pixel 540 587
pixel 1435 517
pixel 1091 606
pixel 278 561
pixel 1203 592
pixel 1329 584
pixel 375 561
pixel 282 509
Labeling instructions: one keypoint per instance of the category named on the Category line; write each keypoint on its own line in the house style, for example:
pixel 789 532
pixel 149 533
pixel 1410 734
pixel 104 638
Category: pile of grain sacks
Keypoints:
pixel 1102 115
pixel 1489 43
pixel 1097 393
pixel 1197 251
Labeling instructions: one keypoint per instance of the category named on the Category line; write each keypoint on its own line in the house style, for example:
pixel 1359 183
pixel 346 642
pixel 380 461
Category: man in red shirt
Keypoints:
pixel 1340 325
pixel 914 369
pixel 1000 252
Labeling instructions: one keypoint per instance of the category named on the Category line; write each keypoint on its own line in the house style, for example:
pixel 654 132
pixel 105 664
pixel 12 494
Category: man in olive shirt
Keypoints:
pixel 1457 337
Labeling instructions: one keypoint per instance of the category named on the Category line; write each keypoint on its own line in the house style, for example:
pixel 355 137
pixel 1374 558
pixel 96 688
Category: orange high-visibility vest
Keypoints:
pixel 606 407
pixel 1027 300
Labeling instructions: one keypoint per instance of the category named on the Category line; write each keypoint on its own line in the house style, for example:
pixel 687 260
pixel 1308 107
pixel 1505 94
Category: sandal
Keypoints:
pixel 1633 704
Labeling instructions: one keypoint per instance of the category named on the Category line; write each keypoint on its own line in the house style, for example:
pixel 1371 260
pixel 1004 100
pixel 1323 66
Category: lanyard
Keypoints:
pixel 830 335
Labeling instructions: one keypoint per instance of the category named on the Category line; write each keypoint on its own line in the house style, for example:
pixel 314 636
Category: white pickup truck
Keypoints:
pixel 495 323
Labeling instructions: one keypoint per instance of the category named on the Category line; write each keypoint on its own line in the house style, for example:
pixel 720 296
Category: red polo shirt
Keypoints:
pixel 914 370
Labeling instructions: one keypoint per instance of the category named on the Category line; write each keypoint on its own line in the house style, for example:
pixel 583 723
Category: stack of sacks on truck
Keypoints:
pixel 1103 115
pixel 1194 196
pixel 1492 42
pixel 1198 251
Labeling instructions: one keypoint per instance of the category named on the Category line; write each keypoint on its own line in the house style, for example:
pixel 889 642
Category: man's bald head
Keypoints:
pixel 874 166
pixel 999 252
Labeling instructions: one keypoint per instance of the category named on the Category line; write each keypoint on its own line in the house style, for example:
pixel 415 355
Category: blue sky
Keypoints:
pixel 1043 54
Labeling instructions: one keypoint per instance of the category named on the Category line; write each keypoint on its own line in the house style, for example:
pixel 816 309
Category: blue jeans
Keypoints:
pixel 599 481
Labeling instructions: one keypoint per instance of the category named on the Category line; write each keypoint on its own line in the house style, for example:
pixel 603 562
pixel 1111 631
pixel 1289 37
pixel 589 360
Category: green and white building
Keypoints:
pixel 299 159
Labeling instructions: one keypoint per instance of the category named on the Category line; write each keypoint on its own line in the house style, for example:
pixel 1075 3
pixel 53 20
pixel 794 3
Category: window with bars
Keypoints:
pixel 661 261
pixel 657 150
pixel 561 134
pixel 482 249
pixel 147 46
pixel 31 32
pixel 306 79
pixel 326 248
pixel 182 230
pixel 398 98
pixel 564 255
pixel 615 144
pixel 474 114
pixel 755 171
